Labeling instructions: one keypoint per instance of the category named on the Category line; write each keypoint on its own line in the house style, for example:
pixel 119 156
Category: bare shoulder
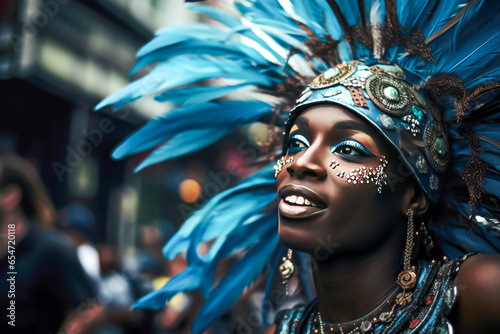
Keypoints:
pixel 478 284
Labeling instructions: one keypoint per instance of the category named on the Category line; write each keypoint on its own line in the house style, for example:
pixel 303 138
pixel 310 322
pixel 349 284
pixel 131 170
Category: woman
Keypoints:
pixel 390 150
pixel 336 187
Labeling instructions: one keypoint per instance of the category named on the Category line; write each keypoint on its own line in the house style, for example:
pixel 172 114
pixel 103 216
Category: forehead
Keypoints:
pixel 328 118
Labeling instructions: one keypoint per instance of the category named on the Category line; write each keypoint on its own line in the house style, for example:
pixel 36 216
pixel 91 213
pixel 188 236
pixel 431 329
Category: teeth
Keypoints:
pixel 299 200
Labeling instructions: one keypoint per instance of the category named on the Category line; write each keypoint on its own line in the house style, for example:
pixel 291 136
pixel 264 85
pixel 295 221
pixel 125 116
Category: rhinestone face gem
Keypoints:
pixel 391 93
pixel 387 122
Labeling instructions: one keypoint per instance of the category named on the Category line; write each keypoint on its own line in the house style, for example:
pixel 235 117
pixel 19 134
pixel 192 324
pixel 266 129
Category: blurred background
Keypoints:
pixel 58 59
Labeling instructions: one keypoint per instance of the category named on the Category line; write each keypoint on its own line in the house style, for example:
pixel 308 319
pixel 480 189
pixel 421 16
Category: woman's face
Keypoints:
pixel 336 216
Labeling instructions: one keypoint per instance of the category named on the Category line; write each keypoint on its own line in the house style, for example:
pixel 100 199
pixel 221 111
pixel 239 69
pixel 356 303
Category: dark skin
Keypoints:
pixel 357 235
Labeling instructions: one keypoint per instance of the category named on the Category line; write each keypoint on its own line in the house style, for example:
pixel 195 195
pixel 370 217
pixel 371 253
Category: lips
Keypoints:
pixel 298 202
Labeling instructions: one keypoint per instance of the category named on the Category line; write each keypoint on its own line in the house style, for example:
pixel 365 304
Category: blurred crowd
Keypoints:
pixel 66 283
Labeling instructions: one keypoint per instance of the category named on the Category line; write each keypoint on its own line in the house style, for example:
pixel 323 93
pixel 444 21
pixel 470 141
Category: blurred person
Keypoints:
pixel 117 292
pixel 49 284
pixel 78 224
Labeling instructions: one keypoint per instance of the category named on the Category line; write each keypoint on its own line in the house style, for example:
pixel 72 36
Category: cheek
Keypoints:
pixel 355 210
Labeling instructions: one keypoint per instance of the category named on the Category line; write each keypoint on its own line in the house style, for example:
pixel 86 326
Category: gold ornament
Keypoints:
pixel 287 269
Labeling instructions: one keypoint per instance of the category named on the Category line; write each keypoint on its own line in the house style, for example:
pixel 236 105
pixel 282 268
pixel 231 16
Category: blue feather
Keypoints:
pixel 235 50
pixel 217 15
pixel 188 279
pixel 243 273
pixel 273 268
pixel 240 237
pixel 183 143
pixel 203 94
pixel 185 33
pixel 238 194
pixel 178 72
pixel 228 114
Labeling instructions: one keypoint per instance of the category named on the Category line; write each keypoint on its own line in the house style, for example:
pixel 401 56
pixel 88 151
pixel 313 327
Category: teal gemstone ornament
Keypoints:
pixel 417 112
pixel 391 93
pixel 441 147
pixel 436 146
pixel 331 73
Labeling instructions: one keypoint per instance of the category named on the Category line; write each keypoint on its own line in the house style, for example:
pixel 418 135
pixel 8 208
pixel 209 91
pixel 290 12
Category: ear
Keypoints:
pixel 10 197
pixel 414 198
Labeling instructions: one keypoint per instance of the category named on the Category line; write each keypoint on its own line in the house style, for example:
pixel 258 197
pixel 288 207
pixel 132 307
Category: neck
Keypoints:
pixel 350 287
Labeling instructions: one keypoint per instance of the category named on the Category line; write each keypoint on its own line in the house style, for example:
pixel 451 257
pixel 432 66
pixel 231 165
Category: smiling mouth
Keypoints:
pixel 299 202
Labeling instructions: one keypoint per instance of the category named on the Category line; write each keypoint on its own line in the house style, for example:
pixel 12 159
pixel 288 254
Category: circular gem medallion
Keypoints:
pixel 334 75
pixel 389 94
pixel 436 146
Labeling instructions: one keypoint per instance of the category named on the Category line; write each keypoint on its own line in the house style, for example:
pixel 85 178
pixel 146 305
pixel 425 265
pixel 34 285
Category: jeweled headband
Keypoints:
pixel 380 93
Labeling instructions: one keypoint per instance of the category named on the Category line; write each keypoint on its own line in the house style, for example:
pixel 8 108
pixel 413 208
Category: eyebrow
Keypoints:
pixel 352 125
pixel 301 121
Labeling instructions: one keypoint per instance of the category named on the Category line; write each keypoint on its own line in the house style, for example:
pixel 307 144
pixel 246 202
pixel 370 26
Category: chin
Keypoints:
pixel 297 239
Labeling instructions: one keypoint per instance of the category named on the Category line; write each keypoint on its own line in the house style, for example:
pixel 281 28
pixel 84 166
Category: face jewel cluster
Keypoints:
pixel 280 163
pixel 366 175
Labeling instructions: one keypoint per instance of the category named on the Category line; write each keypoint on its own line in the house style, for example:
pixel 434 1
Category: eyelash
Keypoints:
pixel 346 143
pixel 353 144
pixel 298 138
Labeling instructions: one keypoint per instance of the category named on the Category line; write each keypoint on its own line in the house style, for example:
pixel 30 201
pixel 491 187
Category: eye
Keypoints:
pixel 297 143
pixel 351 148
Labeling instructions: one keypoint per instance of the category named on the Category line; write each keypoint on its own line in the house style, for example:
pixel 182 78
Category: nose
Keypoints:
pixel 308 164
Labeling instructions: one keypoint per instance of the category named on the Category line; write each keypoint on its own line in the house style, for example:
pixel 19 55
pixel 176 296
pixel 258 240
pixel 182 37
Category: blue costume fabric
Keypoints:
pixel 433 299
pixel 426 76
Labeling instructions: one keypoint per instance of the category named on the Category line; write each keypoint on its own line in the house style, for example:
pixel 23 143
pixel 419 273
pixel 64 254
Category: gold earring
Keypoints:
pixel 280 163
pixel 407 279
pixel 287 269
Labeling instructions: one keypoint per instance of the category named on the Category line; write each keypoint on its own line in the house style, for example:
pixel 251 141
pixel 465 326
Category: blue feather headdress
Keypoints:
pixel 268 55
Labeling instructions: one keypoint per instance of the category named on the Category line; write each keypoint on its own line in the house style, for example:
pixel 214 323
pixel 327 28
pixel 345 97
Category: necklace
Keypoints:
pixel 367 323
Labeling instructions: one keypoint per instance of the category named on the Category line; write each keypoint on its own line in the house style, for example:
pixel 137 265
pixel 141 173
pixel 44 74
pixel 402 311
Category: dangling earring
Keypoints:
pixel 287 269
pixel 407 279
